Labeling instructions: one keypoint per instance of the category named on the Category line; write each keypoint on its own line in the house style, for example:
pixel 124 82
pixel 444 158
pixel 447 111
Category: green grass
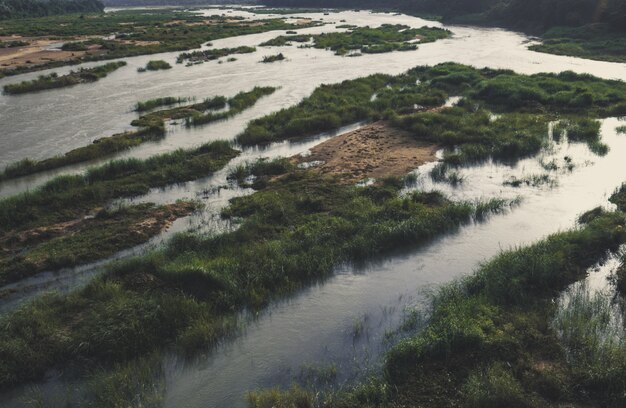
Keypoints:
pixel 52 81
pixel 237 104
pixel 99 148
pixel 596 42
pixel 531 101
pixel 155 65
pixel 212 54
pixel 273 58
pixel 490 341
pixel 68 197
pixel 283 40
pixel 159 102
pixel 106 234
pixel 294 231
pixel 152 128
pixel 386 38
pixel 165 30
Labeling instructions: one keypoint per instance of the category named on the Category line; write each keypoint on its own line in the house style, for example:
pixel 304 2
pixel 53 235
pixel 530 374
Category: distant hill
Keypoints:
pixel 39 8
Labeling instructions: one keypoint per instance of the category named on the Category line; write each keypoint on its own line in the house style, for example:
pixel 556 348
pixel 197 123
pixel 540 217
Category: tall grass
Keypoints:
pixel 294 231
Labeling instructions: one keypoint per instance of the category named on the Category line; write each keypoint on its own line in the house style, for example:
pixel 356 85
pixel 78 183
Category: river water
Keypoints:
pixel 344 320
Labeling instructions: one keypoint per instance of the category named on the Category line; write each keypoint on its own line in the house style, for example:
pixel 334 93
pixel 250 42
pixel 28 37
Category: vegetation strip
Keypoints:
pixel 52 81
pixel 152 128
pixel 597 42
pixel 84 240
pixel 490 342
pixel 469 131
pixel 125 33
pixel 198 57
pixel 385 38
pixel 185 294
pixel 155 65
pixel 67 199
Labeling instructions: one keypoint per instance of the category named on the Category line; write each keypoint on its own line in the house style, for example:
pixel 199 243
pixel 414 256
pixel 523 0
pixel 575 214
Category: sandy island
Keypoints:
pixel 376 151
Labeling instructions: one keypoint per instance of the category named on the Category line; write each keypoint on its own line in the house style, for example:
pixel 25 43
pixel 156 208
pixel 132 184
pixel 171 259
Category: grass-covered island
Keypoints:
pixel 301 224
pixel 151 127
pixel 273 58
pixel 385 38
pixel 155 65
pixel 66 221
pixel 52 81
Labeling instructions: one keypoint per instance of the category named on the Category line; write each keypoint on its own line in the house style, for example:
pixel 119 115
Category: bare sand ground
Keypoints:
pixel 374 151
pixel 34 53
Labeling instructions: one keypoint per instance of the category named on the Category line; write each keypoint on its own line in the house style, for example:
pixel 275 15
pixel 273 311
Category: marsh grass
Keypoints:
pixel 295 230
pixel 156 65
pixel 52 81
pixel 162 30
pixel 273 58
pixel 596 41
pixel 68 197
pixel 488 341
pixel 212 54
pixel 159 102
pixel 108 232
pixel 152 128
pixel 527 105
pixel 274 398
pixel 533 180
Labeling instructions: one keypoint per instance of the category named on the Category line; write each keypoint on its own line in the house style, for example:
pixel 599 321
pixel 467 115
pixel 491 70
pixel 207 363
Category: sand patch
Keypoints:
pixel 374 151
pixel 35 53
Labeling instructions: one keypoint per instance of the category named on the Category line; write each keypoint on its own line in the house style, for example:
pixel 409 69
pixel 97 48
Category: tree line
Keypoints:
pixel 523 14
pixel 39 8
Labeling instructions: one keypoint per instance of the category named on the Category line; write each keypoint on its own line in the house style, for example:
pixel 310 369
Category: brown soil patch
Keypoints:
pixel 34 53
pixel 139 43
pixel 155 221
pixel 374 151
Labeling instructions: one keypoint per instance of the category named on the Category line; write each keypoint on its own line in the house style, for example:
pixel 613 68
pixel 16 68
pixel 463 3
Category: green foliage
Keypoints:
pixel 499 316
pixel 159 102
pixel 283 40
pixel 476 135
pixel 153 128
pixel 83 75
pixel 595 343
pixel 67 197
pixel 212 54
pixel 273 58
pixel 156 65
pixel 14 9
pixel 237 104
pixel 296 397
pixel 137 32
pixel 385 38
pixel 597 42
pixel 493 388
pixel 98 149
pixel 297 229
pixel 107 233
pixel 535 99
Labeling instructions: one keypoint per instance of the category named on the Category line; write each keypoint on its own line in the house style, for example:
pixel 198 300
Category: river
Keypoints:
pixel 317 326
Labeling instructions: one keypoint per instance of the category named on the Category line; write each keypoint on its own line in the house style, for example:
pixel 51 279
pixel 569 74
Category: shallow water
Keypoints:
pixel 318 325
